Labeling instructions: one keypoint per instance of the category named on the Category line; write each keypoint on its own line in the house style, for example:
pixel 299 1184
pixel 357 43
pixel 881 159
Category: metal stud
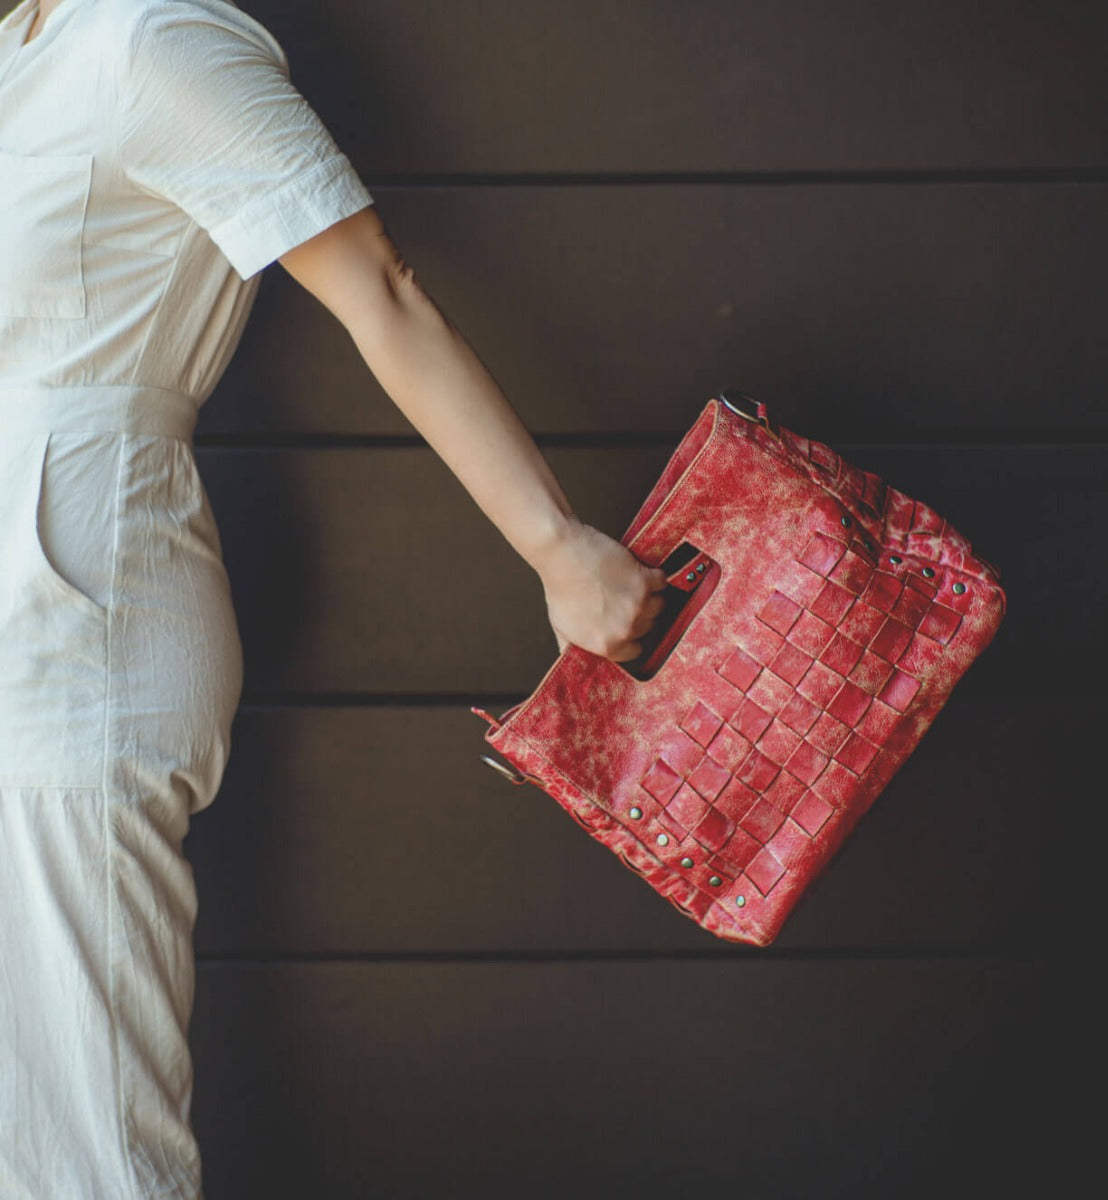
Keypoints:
pixel 663 839
pixel 958 588
pixel 868 544
pixel 636 813
pixel 895 559
pixel 928 572
pixel 845 521
pixel 686 861
pixel 700 567
pixel 691 576
pixel 715 880
pixel 740 901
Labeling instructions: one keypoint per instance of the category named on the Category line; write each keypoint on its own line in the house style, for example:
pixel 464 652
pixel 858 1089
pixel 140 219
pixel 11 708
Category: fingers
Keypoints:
pixel 628 600
pixel 626 652
pixel 644 622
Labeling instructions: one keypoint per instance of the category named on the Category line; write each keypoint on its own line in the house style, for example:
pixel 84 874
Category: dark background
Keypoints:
pixel 888 222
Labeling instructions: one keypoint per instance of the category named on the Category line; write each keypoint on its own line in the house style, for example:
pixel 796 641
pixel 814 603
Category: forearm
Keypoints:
pixel 436 379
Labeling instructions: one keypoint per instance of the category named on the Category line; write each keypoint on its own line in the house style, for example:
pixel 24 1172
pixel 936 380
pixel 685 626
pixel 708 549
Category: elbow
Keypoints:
pixel 404 290
pixel 356 270
pixel 400 279
pixel 391 310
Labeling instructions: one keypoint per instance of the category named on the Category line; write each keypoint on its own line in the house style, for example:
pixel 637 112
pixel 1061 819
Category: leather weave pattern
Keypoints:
pixel 843 617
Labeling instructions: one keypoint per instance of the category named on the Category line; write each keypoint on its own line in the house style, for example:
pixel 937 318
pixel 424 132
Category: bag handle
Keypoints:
pixel 692 573
pixel 691 577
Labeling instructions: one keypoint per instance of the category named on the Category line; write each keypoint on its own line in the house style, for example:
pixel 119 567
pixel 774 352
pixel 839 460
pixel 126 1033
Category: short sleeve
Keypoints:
pixel 210 121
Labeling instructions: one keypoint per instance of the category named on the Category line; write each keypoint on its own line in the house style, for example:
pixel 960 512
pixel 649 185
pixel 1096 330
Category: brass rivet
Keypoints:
pixel 927 572
pixel 691 576
pixel 663 839
pixel 686 861
pixel 715 880
pixel 959 588
pixel 636 812
pixel 896 559
pixel 740 901
pixel 845 521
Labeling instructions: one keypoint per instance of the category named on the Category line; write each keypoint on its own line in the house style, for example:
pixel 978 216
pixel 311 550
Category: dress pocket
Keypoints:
pixel 43 200
pixel 74 517
pixel 53 636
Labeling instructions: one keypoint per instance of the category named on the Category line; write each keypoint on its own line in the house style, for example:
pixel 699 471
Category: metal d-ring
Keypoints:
pixel 509 773
pixel 734 399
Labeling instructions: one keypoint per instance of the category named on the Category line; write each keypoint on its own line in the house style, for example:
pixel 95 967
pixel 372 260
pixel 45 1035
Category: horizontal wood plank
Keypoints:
pixel 665 85
pixel 865 312
pixel 372 571
pixel 775 1081
pixel 378 830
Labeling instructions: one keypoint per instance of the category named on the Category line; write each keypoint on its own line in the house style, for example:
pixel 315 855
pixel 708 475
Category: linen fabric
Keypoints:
pixel 154 158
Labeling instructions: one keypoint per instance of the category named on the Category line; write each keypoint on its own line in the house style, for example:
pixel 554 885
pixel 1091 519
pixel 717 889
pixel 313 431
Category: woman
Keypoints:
pixel 154 158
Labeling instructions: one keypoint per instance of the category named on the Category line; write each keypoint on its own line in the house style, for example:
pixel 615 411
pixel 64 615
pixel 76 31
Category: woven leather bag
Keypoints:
pixel 816 621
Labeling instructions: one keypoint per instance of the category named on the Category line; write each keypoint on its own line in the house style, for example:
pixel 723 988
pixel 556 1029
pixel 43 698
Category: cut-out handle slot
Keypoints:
pixel 691 577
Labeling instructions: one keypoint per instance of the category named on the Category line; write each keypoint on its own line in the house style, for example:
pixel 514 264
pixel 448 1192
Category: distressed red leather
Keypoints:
pixel 832 617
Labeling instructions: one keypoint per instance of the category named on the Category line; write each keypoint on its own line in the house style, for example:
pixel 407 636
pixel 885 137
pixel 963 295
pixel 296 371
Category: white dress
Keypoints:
pixel 154 157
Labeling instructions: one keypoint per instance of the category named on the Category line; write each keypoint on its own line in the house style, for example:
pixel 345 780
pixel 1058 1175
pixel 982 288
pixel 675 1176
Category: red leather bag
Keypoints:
pixel 816 621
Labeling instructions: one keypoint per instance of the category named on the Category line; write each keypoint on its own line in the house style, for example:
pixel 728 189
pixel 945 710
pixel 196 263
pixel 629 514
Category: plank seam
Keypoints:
pixel 406 180
pixel 633 440
pixel 993 952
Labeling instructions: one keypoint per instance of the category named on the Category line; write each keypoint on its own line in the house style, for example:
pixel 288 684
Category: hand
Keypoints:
pixel 599 596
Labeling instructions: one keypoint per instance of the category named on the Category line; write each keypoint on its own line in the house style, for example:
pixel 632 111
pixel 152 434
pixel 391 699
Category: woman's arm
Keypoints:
pixel 598 594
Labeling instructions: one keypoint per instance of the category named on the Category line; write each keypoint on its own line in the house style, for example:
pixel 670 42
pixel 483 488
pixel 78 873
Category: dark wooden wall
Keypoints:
pixel 888 222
